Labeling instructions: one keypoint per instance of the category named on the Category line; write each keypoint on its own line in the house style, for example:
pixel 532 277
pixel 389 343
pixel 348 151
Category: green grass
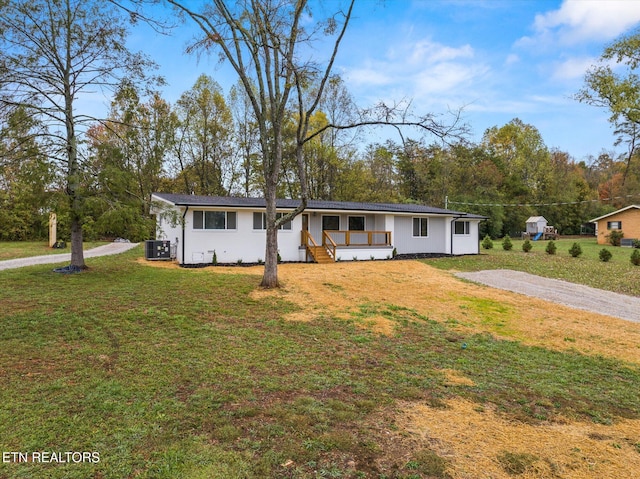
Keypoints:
pixel 618 275
pixel 179 373
pixel 24 249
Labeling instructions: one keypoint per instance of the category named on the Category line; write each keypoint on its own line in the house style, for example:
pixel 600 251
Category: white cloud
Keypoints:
pixel 573 68
pixel 368 75
pixel 446 78
pixel 422 70
pixel 512 59
pixel 579 21
pixel 429 52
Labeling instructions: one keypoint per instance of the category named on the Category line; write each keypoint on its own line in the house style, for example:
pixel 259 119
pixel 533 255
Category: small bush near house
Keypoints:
pixel 551 248
pixel 636 243
pixel 487 243
pixel 527 246
pixel 635 257
pixel 605 255
pixel 575 250
pixel 507 245
pixel 614 237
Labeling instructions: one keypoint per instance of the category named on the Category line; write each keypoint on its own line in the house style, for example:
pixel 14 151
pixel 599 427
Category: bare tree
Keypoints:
pixel 54 54
pixel 269 44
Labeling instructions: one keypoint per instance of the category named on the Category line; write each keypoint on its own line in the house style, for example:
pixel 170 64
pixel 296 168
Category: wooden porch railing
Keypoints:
pixel 358 238
pixel 329 244
pixel 307 239
pixel 313 249
pixel 331 240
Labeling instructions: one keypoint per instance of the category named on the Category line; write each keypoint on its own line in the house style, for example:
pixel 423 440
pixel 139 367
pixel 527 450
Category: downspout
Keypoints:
pixel 183 228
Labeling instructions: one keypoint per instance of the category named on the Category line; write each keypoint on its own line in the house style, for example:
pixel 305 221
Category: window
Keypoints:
pixel 356 223
pixel 214 220
pixel 461 228
pixel 420 227
pixel 330 223
pixel 260 221
pixel 614 225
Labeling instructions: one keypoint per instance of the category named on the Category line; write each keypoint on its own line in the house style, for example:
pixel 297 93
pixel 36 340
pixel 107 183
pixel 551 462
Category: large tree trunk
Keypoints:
pixel 73 185
pixel 77 253
pixel 270 278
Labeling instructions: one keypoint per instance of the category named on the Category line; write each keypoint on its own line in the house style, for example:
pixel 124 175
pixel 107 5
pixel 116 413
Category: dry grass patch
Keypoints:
pixel 455 378
pixel 479 442
pixel 339 289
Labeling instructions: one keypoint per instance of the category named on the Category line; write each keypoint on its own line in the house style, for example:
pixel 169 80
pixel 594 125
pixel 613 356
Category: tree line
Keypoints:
pixel 206 144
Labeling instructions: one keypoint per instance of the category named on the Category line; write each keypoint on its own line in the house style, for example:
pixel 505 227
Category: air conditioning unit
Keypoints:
pixel 157 249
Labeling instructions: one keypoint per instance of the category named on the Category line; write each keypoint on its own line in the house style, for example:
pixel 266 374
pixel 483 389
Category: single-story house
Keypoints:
pixel 234 228
pixel 626 220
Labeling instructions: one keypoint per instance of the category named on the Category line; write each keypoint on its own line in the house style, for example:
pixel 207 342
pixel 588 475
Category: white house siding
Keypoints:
pixel 243 243
pixel 248 245
pixel 406 243
pixel 468 244
pixel 165 230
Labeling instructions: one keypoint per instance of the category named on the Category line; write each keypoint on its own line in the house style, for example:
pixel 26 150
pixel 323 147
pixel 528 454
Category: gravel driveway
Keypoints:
pixel 104 250
pixel 557 291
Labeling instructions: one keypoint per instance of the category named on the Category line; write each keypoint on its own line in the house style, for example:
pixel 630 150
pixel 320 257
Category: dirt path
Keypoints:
pixel 104 250
pixel 562 292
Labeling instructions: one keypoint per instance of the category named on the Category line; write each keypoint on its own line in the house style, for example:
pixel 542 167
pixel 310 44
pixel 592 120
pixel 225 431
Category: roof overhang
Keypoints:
pixel 313 206
pixel 595 220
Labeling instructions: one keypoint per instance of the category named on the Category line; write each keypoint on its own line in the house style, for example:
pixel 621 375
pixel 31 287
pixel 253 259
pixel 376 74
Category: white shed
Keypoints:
pixel 536 224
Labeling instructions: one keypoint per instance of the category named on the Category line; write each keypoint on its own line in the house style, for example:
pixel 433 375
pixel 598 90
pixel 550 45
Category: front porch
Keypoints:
pixel 347 246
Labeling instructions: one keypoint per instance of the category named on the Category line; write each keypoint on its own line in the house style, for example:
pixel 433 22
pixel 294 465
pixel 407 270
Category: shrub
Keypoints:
pixel 636 243
pixel 614 237
pixel 214 260
pixel 507 244
pixel 487 243
pixel 635 257
pixel 575 250
pixel 527 246
pixel 551 247
pixel 605 255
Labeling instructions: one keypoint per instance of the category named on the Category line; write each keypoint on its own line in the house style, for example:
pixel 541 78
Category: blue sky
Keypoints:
pixel 499 59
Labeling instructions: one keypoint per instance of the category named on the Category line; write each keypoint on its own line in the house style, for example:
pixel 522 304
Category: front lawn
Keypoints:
pixel 184 373
pixel 617 275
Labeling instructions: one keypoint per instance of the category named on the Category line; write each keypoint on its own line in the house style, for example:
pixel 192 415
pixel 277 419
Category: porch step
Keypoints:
pixel 320 255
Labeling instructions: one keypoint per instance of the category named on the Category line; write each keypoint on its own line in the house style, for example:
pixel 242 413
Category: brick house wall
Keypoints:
pixel 630 219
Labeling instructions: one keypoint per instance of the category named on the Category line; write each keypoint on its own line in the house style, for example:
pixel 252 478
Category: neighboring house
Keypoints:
pixel 626 220
pixel 234 228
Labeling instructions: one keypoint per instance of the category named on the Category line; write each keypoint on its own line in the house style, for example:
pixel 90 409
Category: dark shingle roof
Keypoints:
pixel 239 202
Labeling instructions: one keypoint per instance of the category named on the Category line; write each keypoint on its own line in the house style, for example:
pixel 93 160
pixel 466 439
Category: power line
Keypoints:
pixel 559 203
